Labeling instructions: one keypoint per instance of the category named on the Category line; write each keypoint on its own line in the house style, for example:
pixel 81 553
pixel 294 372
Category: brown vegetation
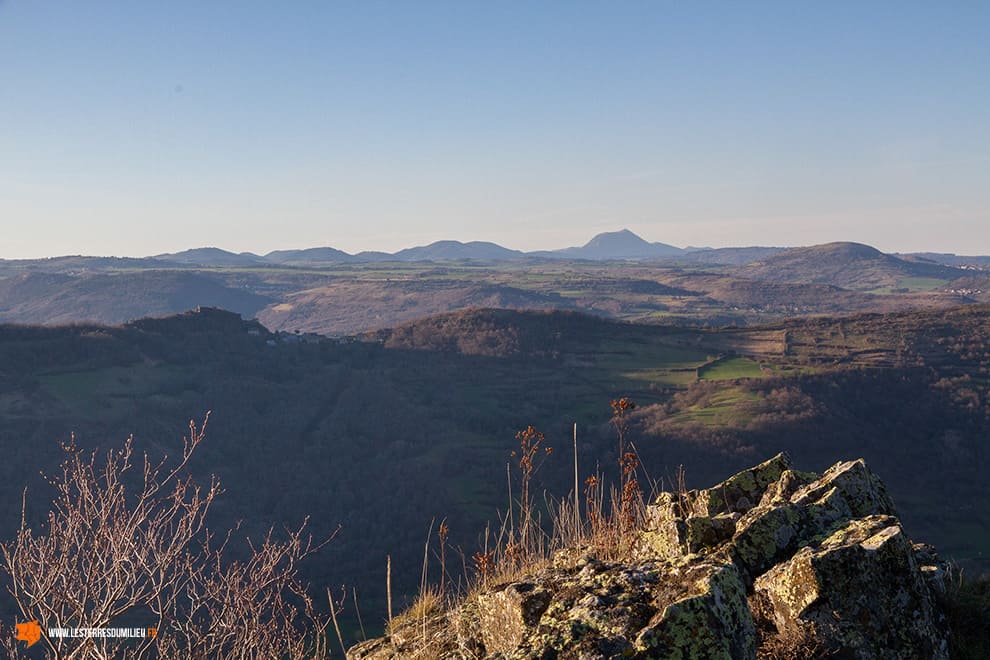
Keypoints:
pixel 126 550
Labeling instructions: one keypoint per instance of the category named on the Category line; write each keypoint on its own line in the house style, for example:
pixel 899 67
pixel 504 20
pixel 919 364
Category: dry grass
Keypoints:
pixel 427 604
pixel 799 643
pixel 530 534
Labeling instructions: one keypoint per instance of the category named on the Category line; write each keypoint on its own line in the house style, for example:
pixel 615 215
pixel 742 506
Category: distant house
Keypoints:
pixel 299 337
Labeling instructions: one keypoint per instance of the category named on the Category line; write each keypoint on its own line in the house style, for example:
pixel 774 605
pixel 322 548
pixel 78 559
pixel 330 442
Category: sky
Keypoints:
pixel 136 128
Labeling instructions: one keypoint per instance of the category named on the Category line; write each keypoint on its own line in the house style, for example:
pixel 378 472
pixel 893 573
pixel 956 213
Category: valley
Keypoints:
pixel 392 429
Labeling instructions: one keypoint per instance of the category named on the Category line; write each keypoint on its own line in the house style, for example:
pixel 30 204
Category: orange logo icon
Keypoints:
pixel 29 632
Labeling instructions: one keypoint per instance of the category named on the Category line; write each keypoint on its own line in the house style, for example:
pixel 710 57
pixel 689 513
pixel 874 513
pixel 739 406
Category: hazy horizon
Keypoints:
pixel 264 251
pixel 137 129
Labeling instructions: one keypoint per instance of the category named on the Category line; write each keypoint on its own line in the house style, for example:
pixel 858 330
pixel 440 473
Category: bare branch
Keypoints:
pixel 109 554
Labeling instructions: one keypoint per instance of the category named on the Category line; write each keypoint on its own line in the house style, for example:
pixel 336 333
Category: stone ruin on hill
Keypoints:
pixel 772 562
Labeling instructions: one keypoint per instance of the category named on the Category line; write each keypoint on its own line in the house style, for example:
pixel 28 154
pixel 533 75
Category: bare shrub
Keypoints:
pixel 110 556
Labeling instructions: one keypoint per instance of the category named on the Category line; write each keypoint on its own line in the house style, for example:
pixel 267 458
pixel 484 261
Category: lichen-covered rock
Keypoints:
pixel 597 609
pixel 764 537
pixel 862 592
pixel 772 518
pixel 933 569
pixel 707 617
pixel 679 524
pixel 773 558
pixel 678 536
pixel 775 530
pixel 862 490
pixel 781 490
pixel 504 615
pixel 600 609
pixel 741 491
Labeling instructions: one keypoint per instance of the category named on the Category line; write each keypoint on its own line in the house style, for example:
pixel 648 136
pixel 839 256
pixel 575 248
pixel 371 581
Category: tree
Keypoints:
pixel 122 549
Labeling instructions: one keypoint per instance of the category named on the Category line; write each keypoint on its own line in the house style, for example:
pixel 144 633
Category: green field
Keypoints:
pixel 114 390
pixel 647 363
pixel 912 284
pixel 726 408
pixel 730 369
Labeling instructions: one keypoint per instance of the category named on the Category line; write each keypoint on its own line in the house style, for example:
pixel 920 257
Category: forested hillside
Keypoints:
pixel 390 431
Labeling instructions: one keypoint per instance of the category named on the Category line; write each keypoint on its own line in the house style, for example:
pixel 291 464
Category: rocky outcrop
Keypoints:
pixel 772 562
pixel 861 590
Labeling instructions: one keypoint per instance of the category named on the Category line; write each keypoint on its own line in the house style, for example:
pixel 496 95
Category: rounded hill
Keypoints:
pixel 849 266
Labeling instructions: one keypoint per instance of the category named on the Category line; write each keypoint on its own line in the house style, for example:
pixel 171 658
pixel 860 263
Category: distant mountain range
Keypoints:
pixel 615 274
pixel 620 245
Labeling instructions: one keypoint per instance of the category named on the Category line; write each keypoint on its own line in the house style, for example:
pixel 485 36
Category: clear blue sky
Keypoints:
pixel 134 128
